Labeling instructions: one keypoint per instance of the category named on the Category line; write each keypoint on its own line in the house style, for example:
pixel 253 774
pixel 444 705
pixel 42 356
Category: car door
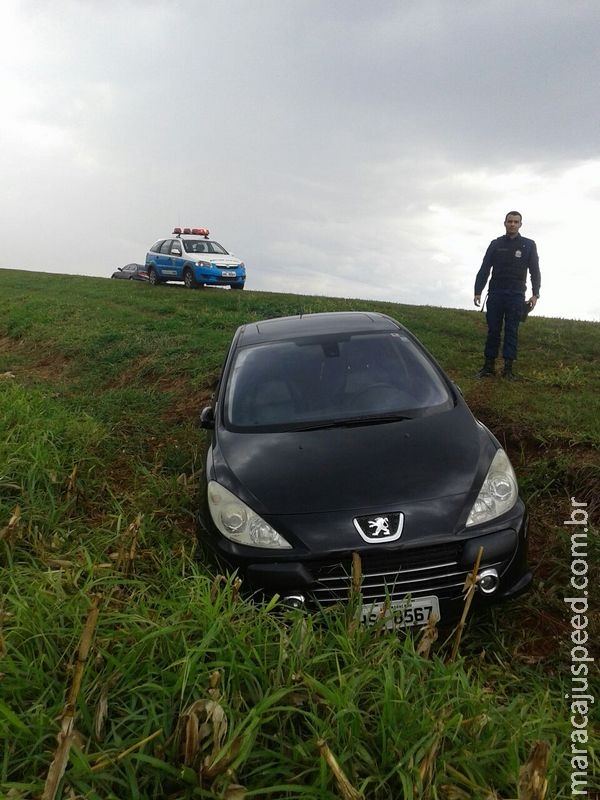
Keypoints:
pixel 177 257
pixel 164 261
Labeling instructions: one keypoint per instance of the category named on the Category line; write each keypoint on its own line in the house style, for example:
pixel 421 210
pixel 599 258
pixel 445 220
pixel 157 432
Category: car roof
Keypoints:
pixel 193 236
pixel 333 322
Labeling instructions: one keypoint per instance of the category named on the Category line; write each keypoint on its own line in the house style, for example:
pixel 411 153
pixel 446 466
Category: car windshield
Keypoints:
pixel 332 380
pixel 203 246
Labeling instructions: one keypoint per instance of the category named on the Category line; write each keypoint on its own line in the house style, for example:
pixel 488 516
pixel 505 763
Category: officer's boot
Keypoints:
pixel 507 372
pixel 488 369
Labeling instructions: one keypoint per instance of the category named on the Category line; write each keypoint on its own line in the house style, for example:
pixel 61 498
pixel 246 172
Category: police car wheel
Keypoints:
pixel 188 279
pixel 153 276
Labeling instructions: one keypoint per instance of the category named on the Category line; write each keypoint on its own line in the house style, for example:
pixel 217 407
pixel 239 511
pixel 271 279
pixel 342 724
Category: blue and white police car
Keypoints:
pixel 189 255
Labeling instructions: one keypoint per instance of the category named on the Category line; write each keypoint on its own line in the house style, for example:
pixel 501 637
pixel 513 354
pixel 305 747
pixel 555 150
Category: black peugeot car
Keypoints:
pixel 338 434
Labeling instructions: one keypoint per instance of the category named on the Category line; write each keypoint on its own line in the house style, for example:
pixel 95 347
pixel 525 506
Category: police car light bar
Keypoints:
pixel 192 231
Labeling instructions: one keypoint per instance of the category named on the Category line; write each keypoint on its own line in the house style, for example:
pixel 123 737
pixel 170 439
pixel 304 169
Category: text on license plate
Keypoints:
pixel 401 613
pixel 227 274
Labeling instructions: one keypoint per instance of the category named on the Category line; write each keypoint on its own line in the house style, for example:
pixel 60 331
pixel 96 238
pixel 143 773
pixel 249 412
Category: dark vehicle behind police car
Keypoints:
pixel 131 272
pixel 337 433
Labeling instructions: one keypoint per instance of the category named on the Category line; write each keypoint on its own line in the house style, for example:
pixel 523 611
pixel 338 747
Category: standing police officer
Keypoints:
pixel 508 257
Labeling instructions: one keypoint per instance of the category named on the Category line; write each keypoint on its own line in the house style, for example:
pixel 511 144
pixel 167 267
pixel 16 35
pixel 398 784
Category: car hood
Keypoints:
pixel 219 260
pixel 355 468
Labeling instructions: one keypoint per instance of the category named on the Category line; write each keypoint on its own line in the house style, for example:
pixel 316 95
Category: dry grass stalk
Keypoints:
pixel 469 591
pixel 213 682
pixel 450 792
pixel 127 553
pixel 427 765
pixel 67 724
pixel 218 581
pixel 10 530
pixel 428 637
pixel 355 586
pixel 202 722
pixel 235 589
pixel 220 763
pixel 106 762
pixel 72 484
pixel 356 574
pixel 101 713
pixel 204 725
pixel 347 791
pixel 533 784
pixel 235 792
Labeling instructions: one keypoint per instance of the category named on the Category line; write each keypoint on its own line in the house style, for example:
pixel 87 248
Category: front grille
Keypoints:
pixel 434 570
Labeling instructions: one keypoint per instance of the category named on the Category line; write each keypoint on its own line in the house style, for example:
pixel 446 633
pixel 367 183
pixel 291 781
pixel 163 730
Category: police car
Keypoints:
pixel 189 255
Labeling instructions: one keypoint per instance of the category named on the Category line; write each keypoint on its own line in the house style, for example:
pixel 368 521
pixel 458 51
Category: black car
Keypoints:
pixel 338 434
pixel 131 272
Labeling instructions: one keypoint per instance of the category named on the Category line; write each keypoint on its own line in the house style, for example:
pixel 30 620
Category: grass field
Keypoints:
pixel 129 670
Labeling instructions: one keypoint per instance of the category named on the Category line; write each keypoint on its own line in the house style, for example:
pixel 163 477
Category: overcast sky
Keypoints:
pixel 365 149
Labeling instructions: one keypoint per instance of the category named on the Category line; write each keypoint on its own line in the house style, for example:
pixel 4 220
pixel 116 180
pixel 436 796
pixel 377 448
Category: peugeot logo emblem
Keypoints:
pixel 380 527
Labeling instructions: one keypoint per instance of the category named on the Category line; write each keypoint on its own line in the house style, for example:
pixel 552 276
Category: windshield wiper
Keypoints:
pixel 352 422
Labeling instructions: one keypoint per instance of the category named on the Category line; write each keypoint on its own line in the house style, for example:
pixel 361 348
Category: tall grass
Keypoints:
pixel 399 725
pixel 179 687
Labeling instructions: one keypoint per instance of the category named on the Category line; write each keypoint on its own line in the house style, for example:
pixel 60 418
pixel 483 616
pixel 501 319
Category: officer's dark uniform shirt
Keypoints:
pixel 509 259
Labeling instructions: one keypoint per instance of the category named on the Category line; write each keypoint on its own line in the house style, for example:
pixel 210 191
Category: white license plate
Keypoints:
pixel 401 613
pixel 228 274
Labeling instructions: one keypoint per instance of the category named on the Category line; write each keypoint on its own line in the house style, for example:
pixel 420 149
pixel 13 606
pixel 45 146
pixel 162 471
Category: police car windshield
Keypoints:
pixel 203 246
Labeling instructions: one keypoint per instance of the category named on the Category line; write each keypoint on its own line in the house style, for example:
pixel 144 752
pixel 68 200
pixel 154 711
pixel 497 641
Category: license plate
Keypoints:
pixel 401 613
pixel 226 274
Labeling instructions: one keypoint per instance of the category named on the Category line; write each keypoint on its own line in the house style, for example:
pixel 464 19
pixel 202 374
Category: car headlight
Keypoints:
pixel 239 523
pixel 499 491
pixel 203 264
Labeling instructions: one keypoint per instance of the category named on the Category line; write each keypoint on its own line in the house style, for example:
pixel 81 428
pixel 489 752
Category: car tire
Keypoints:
pixel 153 276
pixel 238 286
pixel 188 279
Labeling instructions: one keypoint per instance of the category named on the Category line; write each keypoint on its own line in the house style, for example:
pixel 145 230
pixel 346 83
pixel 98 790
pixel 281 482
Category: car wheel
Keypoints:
pixel 188 279
pixel 237 286
pixel 153 276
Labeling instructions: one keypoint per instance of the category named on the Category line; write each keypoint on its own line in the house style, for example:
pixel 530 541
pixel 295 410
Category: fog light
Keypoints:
pixel 294 601
pixel 488 581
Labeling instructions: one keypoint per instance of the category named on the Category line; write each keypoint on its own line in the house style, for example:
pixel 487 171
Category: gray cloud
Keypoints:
pixel 346 148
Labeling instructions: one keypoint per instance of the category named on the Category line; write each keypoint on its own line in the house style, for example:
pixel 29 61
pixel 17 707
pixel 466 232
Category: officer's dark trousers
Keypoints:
pixel 503 308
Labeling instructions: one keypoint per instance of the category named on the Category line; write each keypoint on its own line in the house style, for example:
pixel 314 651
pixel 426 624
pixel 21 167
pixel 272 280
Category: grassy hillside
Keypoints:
pixel 157 679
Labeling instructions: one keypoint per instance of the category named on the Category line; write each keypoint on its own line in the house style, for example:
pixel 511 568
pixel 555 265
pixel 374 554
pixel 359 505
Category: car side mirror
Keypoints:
pixel 175 251
pixel 207 418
